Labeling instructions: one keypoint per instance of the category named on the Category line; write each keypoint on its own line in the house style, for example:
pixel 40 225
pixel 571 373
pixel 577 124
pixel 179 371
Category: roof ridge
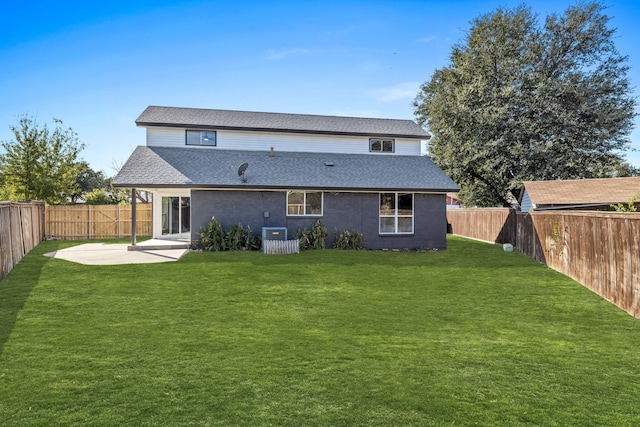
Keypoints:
pixel 279 113
pixel 580 179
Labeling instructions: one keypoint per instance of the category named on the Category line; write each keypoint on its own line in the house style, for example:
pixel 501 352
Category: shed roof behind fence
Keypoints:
pixel 595 191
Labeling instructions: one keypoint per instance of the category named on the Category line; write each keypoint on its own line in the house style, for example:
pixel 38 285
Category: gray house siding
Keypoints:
pixel 245 207
pixel 342 211
pixel 526 205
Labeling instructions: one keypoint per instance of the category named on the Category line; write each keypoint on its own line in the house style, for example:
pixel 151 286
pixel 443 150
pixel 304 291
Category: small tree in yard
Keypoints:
pixel 40 164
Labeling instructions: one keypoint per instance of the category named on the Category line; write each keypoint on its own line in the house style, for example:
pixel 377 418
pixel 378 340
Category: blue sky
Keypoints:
pixel 98 65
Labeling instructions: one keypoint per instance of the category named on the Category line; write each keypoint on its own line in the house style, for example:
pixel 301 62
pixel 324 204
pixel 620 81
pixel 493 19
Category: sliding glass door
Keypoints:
pixel 176 215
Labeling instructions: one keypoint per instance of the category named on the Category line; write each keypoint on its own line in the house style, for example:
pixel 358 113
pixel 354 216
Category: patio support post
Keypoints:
pixel 133 217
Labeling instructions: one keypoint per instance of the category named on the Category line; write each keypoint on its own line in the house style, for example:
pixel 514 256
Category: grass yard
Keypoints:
pixel 467 336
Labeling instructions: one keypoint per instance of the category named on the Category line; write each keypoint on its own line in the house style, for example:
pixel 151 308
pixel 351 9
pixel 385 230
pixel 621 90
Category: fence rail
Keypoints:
pixel 21 229
pixel 600 250
pixel 80 222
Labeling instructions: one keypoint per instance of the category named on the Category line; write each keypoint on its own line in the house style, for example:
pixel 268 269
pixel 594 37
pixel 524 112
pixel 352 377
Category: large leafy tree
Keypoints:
pixel 522 101
pixel 87 181
pixel 39 163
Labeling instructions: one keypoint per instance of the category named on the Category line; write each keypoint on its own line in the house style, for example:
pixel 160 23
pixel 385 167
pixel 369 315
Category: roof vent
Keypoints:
pixel 328 164
pixel 272 153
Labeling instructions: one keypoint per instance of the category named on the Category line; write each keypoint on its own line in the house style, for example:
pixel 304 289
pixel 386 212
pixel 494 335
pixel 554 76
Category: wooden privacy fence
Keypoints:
pixel 21 229
pixel 601 250
pixel 488 224
pixel 80 222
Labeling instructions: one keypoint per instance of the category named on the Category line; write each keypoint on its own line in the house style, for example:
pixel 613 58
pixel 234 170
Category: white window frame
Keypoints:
pixel 304 204
pixel 382 144
pixel 395 215
pixel 202 142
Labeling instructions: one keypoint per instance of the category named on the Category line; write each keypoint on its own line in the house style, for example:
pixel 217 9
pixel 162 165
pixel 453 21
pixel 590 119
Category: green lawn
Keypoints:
pixel 468 336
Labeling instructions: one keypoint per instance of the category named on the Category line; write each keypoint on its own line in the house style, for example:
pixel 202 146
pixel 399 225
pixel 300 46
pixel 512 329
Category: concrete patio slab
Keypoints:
pixel 153 244
pixel 115 254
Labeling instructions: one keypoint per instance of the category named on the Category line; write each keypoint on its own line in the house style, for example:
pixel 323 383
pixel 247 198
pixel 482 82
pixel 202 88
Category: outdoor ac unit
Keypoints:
pixel 274 233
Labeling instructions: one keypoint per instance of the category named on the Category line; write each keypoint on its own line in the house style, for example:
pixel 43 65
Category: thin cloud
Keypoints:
pixel 339 33
pixel 397 92
pixel 369 66
pixel 273 54
pixel 427 39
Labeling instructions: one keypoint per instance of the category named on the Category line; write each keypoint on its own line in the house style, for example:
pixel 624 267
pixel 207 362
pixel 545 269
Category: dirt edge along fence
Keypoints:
pixel 21 229
pixel 600 250
pixel 83 222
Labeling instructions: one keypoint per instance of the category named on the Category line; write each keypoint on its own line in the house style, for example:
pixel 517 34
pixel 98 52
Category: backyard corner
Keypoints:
pixel 470 336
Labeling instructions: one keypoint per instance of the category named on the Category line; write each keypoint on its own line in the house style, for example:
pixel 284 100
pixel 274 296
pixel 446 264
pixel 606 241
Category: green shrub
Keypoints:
pixel 314 239
pixel 238 238
pixel 349 240
pixel 234 237
pixel 211 237
pixel 320 234
pixel 630 206
pixel 106 197
pixel 252 242
pixel 306 239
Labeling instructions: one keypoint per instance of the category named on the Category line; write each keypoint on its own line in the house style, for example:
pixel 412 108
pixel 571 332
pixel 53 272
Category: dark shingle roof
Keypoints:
pixel 153 167
pixel 278 122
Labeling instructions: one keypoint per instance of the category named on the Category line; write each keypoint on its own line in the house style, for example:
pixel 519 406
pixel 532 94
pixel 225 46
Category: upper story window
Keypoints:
pixel 396 213
pixel 304 203
pixel 201 137
pixel 382 145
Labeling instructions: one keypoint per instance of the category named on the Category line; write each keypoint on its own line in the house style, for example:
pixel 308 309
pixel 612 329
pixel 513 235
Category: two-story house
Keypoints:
pixel 288 170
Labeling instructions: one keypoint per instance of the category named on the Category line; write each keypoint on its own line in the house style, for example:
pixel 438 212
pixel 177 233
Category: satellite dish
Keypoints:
pixel 243 167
